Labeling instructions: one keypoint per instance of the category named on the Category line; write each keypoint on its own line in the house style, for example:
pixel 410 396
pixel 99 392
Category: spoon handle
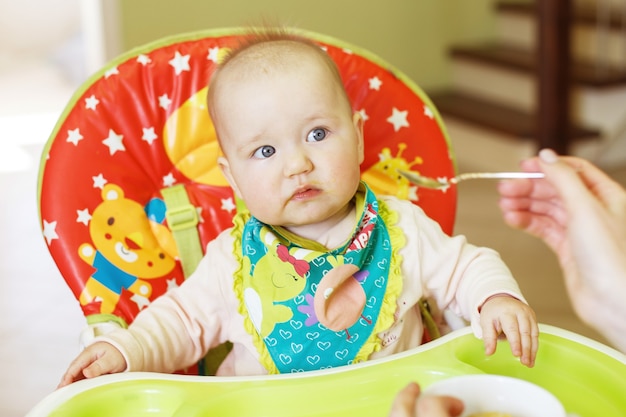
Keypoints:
pixel 496 175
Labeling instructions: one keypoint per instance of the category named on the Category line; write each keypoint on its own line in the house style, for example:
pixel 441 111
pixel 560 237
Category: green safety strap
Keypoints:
pixel 93 319
pixel 182 219
pixel 431 330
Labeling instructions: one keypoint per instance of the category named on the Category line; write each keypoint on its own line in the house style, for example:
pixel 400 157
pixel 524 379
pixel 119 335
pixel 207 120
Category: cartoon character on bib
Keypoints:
pixel 316 308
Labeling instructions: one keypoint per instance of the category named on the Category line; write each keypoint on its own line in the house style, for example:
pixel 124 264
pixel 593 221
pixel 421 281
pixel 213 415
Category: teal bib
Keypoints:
pixel 316 309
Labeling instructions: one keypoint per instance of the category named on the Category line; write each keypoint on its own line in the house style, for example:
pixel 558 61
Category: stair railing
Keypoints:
pixel 553 74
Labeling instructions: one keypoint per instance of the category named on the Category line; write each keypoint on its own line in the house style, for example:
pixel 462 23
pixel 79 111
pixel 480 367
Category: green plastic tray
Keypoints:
pixel 587 377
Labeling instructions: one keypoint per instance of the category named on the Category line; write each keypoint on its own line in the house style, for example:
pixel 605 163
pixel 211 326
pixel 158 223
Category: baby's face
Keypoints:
pixel 292 144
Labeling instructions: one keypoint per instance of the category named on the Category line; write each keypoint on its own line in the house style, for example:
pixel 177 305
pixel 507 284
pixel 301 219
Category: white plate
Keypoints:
pixel 485 392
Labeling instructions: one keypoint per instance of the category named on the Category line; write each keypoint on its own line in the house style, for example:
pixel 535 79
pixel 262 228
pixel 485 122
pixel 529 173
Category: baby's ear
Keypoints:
pixel 225 167
pixel 357 120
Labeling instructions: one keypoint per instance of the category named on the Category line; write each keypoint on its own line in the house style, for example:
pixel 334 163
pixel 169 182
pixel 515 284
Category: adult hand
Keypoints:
pixel 409 403
pixel 95 360
pixel 580 213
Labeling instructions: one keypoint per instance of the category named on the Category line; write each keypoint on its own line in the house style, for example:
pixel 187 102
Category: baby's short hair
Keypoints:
pixel 253 42
pixel 262 35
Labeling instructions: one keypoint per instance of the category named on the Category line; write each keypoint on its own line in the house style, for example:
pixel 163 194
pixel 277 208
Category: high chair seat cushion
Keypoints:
pixel 140 126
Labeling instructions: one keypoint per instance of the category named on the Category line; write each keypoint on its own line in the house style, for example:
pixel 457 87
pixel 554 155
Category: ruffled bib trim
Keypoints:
pixel 264 356
pixel 386 317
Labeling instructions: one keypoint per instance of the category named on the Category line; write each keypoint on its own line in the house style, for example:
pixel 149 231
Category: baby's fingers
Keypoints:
pixel 75 370
pixel 490 337
pixel 97 359
pixel 522 334
pixel 110 360
pixel 529 336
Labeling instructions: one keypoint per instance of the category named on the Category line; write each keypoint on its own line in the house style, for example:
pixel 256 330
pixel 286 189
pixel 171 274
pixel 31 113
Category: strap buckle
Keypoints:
pixel 182 217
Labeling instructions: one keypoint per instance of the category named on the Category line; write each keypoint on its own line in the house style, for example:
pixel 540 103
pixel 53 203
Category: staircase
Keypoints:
pixel 492 109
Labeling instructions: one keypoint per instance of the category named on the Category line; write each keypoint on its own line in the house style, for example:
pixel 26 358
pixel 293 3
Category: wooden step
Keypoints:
pixel 583 14
pixel 518 59
pixel 491 115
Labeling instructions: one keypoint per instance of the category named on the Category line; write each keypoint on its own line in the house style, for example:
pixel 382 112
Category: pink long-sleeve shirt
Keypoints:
pixel 179 327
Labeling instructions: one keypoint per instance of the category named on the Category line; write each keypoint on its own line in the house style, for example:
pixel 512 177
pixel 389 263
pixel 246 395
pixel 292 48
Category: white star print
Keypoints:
pixel 214 54
pixel 180 63
pixel 83 216
pixel 91 102
pixel 114 142
pixel 428 112
pixel 398 119
pixel 171 284
pixel 164 101
pixel 99 181
pixel 364 115
pixel 375 83
pixel 228 205
pixel 49 231
pixel 169 180
pixel 112 71
pixel 149 135
pixel 140 300
pixel 143 59
pixel 74 136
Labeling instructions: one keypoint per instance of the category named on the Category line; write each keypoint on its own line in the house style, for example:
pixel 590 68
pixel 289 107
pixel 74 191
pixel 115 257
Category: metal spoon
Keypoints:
pixel 440 183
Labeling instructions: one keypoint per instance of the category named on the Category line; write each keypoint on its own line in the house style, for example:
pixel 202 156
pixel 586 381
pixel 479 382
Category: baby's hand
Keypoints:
pixel 505 314
pixel 97 359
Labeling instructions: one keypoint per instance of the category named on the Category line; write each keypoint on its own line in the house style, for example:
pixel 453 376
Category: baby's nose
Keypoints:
pixel 297 163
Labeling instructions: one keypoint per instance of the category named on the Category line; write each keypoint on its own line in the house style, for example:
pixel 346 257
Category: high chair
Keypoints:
pixel 129 189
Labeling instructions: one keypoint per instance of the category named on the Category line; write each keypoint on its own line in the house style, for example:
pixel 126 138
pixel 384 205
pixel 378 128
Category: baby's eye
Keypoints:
pixel 316 135
pixel 264 152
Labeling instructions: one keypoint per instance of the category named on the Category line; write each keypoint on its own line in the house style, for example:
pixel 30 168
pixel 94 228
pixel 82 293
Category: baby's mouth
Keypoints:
pixel 305 193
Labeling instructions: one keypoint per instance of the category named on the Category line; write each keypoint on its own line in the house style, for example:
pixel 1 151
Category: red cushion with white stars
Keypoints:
pixel 141 125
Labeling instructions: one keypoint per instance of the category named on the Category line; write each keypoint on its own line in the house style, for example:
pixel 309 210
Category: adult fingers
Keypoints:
pixel 576 181
pixel 404 403
pixel 439 406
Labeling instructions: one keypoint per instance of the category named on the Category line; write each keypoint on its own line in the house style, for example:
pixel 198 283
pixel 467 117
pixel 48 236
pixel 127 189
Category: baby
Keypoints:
pixel 320 272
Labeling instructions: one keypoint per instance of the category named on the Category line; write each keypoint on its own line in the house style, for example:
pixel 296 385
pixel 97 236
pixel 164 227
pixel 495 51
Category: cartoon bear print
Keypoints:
pixel 123 251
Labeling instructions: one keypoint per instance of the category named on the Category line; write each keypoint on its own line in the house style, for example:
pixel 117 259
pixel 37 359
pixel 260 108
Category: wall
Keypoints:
pixel 29 27
pixel 40 62
pixel 413 35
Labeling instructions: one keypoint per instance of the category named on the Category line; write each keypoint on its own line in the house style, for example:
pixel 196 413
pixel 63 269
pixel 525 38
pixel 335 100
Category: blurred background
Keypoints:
pixel 479 61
